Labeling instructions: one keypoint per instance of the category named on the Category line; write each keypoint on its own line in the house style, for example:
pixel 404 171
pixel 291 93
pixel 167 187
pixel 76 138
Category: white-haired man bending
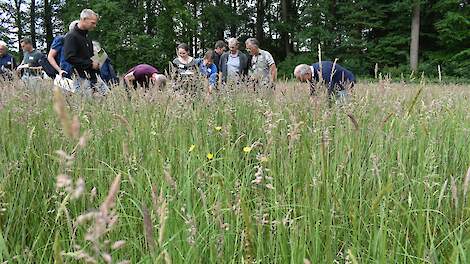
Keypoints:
pixel 78 51
pixel 337 79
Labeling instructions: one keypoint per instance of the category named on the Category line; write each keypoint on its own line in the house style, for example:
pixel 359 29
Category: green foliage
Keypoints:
pixel 359 33
pixel 286 67
pixel 291 178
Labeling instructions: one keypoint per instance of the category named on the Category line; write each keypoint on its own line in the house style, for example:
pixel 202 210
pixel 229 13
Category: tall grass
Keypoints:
pixel 237 177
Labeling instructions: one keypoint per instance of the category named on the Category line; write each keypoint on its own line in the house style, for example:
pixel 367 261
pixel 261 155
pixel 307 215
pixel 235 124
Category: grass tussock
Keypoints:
pixel 240 175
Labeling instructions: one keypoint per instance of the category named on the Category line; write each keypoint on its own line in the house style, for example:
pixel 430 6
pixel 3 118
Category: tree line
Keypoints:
pixel 397 36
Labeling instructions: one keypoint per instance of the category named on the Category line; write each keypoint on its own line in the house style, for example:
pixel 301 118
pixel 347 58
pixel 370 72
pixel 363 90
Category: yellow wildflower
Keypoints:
pixel 247 149
pixel 210 156
pixel 191 148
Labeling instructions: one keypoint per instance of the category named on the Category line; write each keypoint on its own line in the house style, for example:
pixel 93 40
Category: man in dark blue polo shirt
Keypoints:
pixel 7 62
pixel 336 78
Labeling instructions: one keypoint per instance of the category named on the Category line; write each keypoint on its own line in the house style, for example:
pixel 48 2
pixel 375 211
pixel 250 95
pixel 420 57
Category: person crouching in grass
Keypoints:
pixel 208 69
pixel 337 79
pixel 145 76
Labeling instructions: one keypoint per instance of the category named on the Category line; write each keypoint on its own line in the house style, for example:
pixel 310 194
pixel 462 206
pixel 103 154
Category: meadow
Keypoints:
pixel 236 177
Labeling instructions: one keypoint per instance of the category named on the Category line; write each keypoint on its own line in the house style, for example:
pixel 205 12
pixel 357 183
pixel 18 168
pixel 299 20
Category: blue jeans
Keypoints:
pixel 342 97
pixel 83 85
pixel 31 82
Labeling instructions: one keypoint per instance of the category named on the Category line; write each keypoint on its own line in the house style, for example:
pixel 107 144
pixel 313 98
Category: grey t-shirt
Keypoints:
pixel 31 58
pixel 233 65
pixel 260 65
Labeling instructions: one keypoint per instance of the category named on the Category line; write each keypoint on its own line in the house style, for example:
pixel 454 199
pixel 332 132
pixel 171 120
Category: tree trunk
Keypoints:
pixel 32 17
pixel 233 27
pixel 195 30
pixel 150 7
pixel 48 23
pixel 260 16
pixel 220 29
pixel 19 25
pixel 285 8
pixel 334 22
pixel 414 46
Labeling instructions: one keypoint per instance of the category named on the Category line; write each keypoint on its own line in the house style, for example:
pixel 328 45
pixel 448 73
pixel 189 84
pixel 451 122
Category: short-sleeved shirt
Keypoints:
pixel 260 65
pixel 142 73
pixel 58 46
pixel 208 70
pixel 187 69
pixel 31 58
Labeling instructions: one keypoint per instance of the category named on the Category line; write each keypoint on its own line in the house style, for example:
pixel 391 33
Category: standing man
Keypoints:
pixel 30 67
pixel 233 64
pixel 56 56
pixel 219 49
pixel 78 51
pixel 7 62
pixel 263 68
pixel 336 78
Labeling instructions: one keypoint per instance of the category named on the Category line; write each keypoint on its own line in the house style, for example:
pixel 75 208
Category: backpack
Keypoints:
pixel 47 67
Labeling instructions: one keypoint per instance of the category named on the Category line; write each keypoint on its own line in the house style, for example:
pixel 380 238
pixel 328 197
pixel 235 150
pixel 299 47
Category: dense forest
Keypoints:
pixel 397 36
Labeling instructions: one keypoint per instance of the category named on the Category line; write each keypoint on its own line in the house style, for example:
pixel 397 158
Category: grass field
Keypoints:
pixel 238 177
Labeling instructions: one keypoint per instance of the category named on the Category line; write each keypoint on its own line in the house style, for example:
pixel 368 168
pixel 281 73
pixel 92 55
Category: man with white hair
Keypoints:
pixel 233 64
pixel 7 62
pixel 78 51
pixel 144 75
pixel 263 66
pixel 336 78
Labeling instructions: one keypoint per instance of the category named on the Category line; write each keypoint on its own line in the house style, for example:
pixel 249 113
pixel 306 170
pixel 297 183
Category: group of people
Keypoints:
pixel 74 56
pixel 70 57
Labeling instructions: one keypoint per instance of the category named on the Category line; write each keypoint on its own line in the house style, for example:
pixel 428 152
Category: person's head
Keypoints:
pixel 158 79
pixel 88 20
pixel 26 45
pixel 73 24
pixel 233 45
pixel 303 73
pixel 220 47
pixel 208 57
pixel 3 48
pixel 252 45
pixel 183 51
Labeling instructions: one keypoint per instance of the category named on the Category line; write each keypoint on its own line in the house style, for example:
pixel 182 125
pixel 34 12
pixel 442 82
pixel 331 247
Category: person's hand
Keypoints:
pixel 62 73
pixel 95 65
pixel 22 66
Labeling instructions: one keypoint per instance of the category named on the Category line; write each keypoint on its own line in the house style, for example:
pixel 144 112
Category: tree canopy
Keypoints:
pixel 360 33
